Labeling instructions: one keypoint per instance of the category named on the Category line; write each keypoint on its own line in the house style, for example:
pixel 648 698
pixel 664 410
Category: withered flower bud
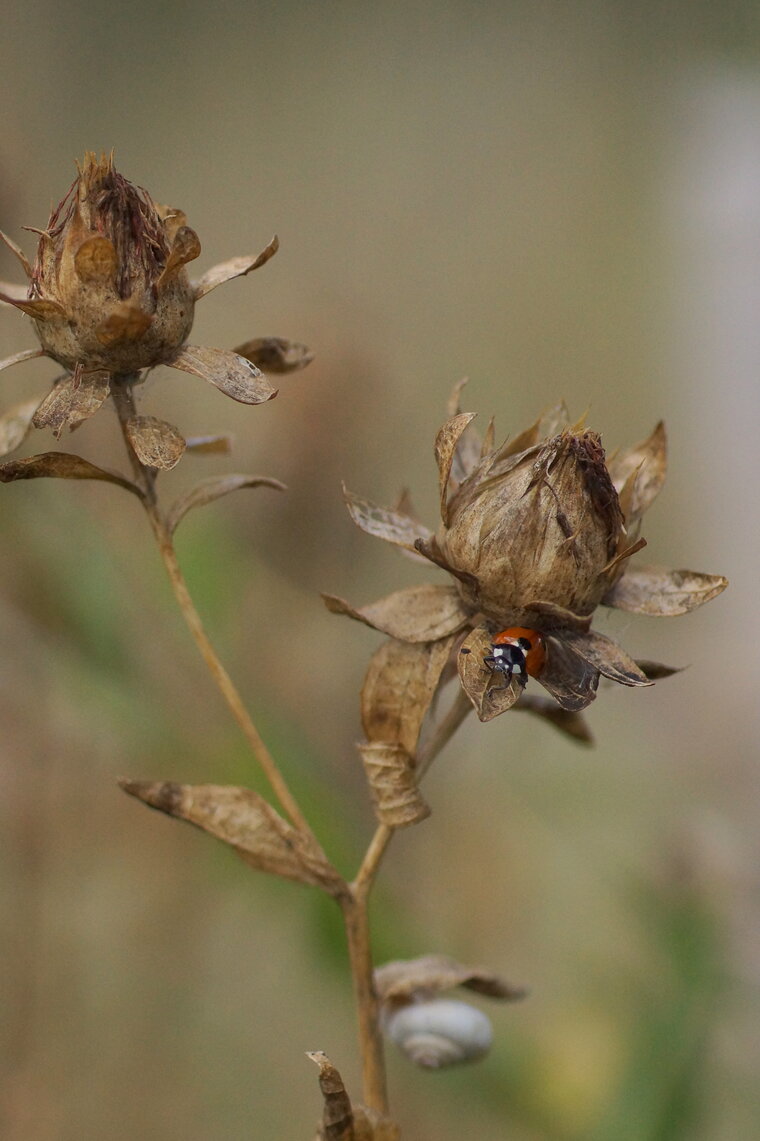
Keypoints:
pixel 535 534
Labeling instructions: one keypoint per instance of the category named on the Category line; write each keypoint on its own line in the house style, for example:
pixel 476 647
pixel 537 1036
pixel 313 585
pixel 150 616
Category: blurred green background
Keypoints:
pixel 558 200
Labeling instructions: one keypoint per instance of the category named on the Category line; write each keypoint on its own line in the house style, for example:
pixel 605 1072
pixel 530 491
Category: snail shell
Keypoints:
pixel 442 1032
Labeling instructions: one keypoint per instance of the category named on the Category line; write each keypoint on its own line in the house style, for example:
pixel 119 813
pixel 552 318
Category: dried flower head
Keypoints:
pixel 109 296
pixel 535 533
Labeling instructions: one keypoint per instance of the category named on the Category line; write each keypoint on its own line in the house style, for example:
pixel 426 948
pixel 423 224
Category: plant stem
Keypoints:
pixel 145 478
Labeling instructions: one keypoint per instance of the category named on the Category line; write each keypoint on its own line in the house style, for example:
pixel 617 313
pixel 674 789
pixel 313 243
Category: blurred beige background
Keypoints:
pixel 558 201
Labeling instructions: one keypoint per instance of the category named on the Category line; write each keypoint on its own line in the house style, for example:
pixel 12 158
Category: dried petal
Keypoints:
pixel 244 820
pixel 231 374
pixel 415 614
pixel 17 252
pixel 399 686
pixel 574 725
pixel 394 526
pixel 235 267
pixel 61 465
pixel 392 781
pixel 661 592
pixel 405 980
pixel 275 354
pixel 16 424
pixel 446 443
pixel 337 1116
pixel 569 678
pixel 606 656
pixel 488 694
pixel 646 463
pixel 214 488
pixel 156 443
pixel 72 401
pixel 17 358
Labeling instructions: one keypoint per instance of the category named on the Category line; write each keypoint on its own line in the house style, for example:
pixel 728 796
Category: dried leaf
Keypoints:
pixel 73 399
pixel 485 689
pixel 155 443
pixel 16 424
pixel 244 820
pixel 393 783
pixel 405 980
pixel 446 443
pixel 275 354
pixel 231 374
pixel 235 267
pixel 186 247
pixel 648 460
pixel 95 260
pixel 61 465
pixel 606 656
pixel 655 671
pixel 214 488
pixel 337 1115
pixel 663 593
pixel 17 252
pixel 573 725
pixel 398 689
pixel 124 322
pixel 414 614
pixel 385 523
pixel 569 678
pixel 210 445
pixel 39 308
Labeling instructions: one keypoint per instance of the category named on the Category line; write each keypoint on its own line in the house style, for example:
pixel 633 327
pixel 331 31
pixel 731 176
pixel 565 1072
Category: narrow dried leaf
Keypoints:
pixel 95 260
pixel 405 980
pixel 275 354
pixel 17 252
pixel 61 465
pixel 235 267
pixel 231 374
pixel 214 488
pixel 125 322
pixel 415 614
pixel 606 656
pixel 156 443
pixel 244 820
pixel 337 1115
pixel 73 399
pixel 485 689
pixel 39 308
pixel 663 593
pixel 210 445
pixel 16 424
pixel 17 358
pixel 655 671
pixel 385 523
pixel 573 725
pixel 446 443
pixel 647 463
pixel 570 679
pixel 399 686
pixel 393 783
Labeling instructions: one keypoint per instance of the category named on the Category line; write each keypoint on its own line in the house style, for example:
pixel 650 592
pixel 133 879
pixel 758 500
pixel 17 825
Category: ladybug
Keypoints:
pixel 516 649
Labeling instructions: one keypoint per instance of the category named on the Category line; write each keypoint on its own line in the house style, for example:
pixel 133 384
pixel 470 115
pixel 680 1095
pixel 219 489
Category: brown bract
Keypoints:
pixel 109 295
pixel 536 532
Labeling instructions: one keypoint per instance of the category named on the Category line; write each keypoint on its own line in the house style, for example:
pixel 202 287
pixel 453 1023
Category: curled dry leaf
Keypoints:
pixel 210 445
pixel 485 689
pixel 399 686
pixel 571 680
pixel 643 467
pixel 660 592
pixel 275 354
pixel 155 443
pixel 214 488
pixel 235 267
pixel 61 465
pixel 72 400
pixel 385 523
pixel 606 656
pixel 414 614
pixel 16 424
pixel 411 980
pixel 244 820
pixel 573 725
pixel 231 374
pixel 393 783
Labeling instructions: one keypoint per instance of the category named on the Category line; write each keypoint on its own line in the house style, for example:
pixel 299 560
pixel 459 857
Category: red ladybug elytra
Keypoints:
pixel 517 649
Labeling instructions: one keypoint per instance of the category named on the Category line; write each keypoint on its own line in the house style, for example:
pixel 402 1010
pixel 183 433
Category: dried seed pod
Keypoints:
pixel 442 1032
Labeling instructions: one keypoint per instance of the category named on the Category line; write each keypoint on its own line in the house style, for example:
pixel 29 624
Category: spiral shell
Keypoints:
pixel 442 1032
